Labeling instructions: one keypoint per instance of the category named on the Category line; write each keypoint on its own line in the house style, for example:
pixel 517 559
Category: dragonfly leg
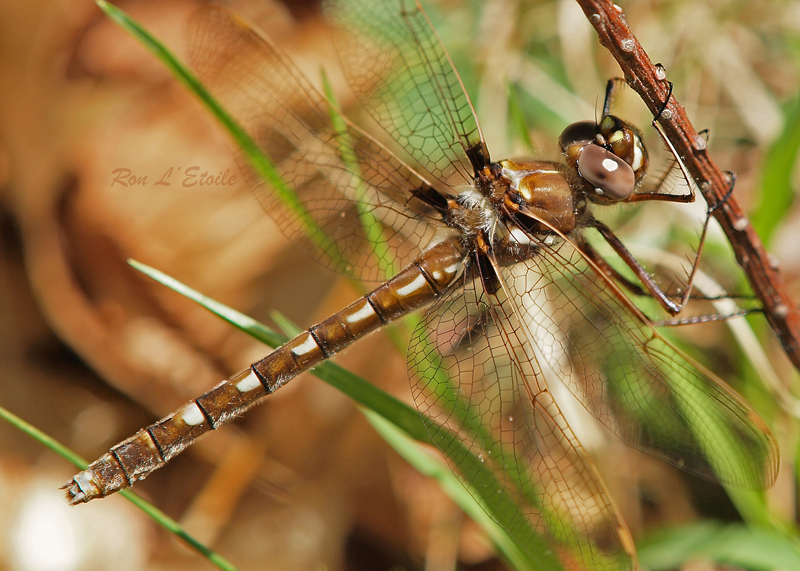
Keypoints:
pixel 610 271
pixel 613 87
pixel 647 280
pixel 655 191
pixel 669 305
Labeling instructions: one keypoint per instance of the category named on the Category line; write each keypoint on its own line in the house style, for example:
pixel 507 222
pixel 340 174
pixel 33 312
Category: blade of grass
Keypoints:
pixel 477 478
pixel 777 191
pixel 484 491
pixel 432 467
pixel 399 414
pixel 518 116
pixel 157 515
pixel 728 544
pixel 371 225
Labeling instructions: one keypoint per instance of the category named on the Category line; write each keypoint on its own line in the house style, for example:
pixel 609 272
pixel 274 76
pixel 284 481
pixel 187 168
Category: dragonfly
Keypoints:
pixel 496 253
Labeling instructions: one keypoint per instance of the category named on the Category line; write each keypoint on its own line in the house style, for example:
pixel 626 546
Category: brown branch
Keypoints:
pixel 649 81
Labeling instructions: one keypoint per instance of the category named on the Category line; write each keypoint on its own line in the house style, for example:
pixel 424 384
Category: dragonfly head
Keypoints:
pixel 610 156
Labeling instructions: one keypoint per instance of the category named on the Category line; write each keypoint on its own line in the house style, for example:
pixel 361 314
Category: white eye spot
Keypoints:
pixel 610 165
pixel 598 191
pixel 638 156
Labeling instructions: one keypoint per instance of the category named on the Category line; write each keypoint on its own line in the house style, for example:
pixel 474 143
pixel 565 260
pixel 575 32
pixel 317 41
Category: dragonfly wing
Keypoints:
pixel 480 390
pixel 351 193
pixel 401 73
pixel 632 379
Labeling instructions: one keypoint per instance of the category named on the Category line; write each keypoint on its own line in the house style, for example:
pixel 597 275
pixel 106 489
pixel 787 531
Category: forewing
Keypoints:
pixel 401 73
pixel 351 190
pixel 476 376
pixel 633 380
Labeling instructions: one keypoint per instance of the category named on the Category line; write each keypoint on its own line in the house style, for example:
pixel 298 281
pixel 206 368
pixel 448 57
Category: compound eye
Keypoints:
pixel 582 132
pixel 610 176
pixel 622 143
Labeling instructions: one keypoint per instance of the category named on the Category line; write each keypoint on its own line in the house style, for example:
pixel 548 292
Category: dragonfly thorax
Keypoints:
pixel 540 193
pixel 475 213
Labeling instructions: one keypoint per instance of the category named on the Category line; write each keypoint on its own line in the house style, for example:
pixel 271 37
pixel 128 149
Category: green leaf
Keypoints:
pixel 432 467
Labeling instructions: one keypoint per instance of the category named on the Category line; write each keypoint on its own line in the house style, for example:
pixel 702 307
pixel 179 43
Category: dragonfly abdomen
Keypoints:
pixel 134 459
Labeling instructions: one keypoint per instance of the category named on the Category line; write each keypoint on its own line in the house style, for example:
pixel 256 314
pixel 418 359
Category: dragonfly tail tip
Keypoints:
pixel 74 493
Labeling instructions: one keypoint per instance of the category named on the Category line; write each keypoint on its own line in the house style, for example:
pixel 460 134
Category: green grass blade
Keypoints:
pixel 372 227
pixel 394 411
pixel 517 116
pixel 174 527
pixel 247 324
pixel 777 190
pixel 157 515
pixel 477 476
pixel 726 544
pixel 752 506
pixel 433 467
pixel 262 164
pixel 43 438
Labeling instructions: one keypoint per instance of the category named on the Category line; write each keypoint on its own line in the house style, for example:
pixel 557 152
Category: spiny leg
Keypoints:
pixel 647 280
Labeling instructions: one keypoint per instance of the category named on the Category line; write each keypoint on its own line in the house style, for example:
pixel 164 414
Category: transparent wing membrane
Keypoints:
pixel 635 382
pixel 477 376
pixel 483 363
pixel 344 180
pixel 401 73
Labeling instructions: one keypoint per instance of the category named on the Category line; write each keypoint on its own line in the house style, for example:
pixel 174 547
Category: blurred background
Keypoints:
pixel 92 351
